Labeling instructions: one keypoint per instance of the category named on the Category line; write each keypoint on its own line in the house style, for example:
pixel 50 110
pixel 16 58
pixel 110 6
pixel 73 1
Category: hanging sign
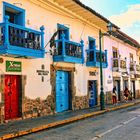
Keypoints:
pixel 13 66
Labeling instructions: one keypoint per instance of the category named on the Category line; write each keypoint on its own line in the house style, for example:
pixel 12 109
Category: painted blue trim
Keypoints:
pixel 42 37
pixel 94 53
pixel 67 56
pixel 70 59
pixel 15 50
pixel 6 34
pixel 94 62
pixel 67 35
pixel 63 45
pixel 62 91
pixel 92 42
pixel 9 49
pixel 20 10
pixel 91 39
pixel 82 46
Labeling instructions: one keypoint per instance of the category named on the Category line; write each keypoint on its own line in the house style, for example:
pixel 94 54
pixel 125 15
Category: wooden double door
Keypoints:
pixel 62 91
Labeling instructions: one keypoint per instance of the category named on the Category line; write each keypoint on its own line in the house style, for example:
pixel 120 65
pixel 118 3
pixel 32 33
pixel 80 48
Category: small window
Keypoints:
pixel 115 53
pixel 92 42
pixel 16 14
pixel 63 30
pixel 131 57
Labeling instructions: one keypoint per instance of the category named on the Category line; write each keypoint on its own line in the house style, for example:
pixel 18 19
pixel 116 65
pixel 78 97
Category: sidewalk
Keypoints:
pixel 23 127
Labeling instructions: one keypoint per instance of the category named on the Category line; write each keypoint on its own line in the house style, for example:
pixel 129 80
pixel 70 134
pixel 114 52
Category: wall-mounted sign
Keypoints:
pixel 93 73
pixel 13 66
pixel 109 81
pixel 42 72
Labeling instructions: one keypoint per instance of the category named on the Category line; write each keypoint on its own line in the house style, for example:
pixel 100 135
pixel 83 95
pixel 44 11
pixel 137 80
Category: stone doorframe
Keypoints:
pixel 53 70
pixel 21 106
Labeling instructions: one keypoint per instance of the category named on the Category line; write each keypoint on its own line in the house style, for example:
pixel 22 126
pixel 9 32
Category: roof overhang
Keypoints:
pixel 76 8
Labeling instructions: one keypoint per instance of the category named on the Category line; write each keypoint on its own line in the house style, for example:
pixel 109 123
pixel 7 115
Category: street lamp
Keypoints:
pixel 102 103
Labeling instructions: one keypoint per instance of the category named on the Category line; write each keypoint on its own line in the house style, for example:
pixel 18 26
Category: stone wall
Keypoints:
pixel 108 97
pixel 1 114
pixel 38 107
pixel 81 102
pixel 137 94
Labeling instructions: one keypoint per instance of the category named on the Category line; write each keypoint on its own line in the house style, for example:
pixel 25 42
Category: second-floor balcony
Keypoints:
pixel 19 41
pixel 68 51
pixel 119 65
pixel 93 58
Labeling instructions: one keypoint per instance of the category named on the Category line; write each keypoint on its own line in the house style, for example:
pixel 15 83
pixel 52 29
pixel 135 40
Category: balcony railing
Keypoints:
pixel 21 41
pixel 68 51
pixel 119 65
pixel 93 58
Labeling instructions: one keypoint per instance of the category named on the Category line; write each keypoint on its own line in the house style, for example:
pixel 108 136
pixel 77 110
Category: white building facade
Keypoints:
pixel 123 65
pixel 50 60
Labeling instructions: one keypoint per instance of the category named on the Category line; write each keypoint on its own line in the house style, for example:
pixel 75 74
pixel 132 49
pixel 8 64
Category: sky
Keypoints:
pixel 123 13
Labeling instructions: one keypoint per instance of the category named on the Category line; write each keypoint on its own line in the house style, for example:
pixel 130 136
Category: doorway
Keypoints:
pixel 117 84
pixel 12 92
pixel 63 96
pixel 125 84
pixel 92 90
pixel 133 89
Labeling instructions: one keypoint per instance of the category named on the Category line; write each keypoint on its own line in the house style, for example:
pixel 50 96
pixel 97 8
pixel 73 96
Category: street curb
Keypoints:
pixel 66 121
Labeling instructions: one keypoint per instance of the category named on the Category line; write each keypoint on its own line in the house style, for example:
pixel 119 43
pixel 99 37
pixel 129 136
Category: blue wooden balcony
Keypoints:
pixel 19 41
pixel 93 58
pixel 68 51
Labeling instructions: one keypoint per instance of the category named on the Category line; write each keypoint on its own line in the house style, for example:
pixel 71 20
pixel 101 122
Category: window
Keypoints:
pixel 16 14
pixel 131 57
pixel 92 42
pixel 63 30
pixel 115 53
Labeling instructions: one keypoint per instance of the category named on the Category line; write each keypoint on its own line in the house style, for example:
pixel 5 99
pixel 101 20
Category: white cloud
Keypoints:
pixel 128 18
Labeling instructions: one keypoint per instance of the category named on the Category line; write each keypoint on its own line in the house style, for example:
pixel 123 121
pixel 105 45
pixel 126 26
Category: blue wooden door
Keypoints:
pixel 92 93
pixel 62 91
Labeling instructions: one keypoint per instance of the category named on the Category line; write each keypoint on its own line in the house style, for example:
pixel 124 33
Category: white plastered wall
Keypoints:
pixel 36 16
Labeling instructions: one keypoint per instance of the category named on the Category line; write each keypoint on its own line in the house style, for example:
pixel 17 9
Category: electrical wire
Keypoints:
pixel 83 30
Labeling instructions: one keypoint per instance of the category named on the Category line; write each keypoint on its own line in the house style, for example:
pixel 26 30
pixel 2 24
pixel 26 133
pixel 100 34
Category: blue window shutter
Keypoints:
pixel 19 15
pixel 63 29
